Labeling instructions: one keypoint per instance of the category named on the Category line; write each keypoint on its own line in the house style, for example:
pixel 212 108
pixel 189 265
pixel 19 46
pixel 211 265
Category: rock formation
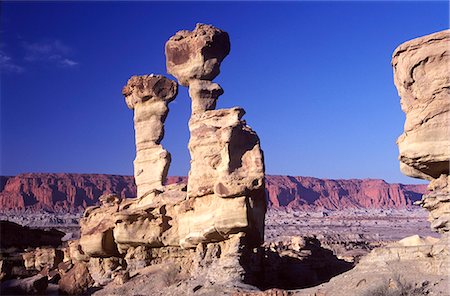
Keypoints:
pixel 206 228
pixel 149 96
pixel 421 75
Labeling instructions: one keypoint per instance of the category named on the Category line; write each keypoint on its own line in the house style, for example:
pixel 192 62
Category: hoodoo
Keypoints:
pixel 207 227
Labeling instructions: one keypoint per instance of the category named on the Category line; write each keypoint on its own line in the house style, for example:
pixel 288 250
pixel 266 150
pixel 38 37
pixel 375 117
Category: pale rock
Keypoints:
pixel 437 202
pixel 41 258
pixel 97 227
pixel 76 252
pixel 226 157
pixel 204 95
pixel 421 75
pixel 102 269
pixel 196 54
pixel 149 96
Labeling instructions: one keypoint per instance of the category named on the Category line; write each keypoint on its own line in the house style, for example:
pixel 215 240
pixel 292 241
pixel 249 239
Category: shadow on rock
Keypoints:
pixel 293 266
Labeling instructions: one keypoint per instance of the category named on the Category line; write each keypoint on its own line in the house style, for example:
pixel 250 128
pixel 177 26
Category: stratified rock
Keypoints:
pixel 77 280
pixel 438 203
pixel 149 96
pixel 226 155
pixel 196 54
pixel 96 228
pixel 421 75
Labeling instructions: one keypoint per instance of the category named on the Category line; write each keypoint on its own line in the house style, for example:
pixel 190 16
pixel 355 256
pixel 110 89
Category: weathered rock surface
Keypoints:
pixel 61 192
pixel 438 203
pixel 196 54
pixel 41 258
pixel 294 192
pixel 149 96
pixel 77 280
pixel 421 74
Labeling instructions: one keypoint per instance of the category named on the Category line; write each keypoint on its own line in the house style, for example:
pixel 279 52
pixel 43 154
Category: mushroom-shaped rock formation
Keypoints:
pixel 209 227
pixel 421 75
pixel 149 96
pixel 226 158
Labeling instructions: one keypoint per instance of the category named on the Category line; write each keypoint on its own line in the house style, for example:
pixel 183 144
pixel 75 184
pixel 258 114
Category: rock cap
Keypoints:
pixel 146 87
pixel 196 54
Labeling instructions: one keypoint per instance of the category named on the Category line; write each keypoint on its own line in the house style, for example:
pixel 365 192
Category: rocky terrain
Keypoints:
pixel 228 229
pixel 72 193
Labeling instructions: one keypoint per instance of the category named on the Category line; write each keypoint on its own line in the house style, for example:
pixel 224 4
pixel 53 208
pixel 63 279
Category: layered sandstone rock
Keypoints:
pixel 421 75
pixel 207 227
pixel 227 165
pixel 149 96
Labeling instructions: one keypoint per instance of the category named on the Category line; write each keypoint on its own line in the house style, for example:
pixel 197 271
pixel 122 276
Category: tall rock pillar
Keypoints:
pixel 226 178
pixel 149 96
pixel 421 75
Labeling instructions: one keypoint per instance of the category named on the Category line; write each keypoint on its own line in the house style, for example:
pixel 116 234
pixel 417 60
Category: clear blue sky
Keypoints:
pixel 314 77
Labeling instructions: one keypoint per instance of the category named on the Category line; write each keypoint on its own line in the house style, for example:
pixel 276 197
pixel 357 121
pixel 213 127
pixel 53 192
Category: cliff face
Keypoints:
pixel 312 193
pixel 61 192
pixel 74 192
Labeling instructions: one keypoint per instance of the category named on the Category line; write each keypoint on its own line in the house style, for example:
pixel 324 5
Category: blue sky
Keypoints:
pixel 314 77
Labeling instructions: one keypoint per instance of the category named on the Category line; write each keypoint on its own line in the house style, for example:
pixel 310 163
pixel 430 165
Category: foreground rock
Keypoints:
pixel 422 78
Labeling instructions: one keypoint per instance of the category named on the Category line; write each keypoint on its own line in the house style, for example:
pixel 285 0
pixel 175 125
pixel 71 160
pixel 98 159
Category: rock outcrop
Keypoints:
pixel 149 96
pixel 208 226
pixel 421 75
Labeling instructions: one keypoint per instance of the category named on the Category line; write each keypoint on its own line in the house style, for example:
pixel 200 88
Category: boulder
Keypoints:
pixel 77 280
pixel 196 54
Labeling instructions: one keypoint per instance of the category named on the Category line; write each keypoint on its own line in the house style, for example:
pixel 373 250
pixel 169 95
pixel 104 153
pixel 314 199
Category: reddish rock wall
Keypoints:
pixel 73 192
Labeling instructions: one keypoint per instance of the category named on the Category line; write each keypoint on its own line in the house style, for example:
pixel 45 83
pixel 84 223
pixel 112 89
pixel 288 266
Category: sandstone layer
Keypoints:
pixel 421 75
pixel 208 226
pixel 149 96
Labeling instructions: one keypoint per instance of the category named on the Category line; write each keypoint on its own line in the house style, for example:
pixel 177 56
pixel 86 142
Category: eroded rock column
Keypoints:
pixel 226 179
pixel 149 96
pixel 421 75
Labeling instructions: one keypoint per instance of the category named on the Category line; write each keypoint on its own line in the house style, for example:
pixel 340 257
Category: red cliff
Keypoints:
pixel 74 192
